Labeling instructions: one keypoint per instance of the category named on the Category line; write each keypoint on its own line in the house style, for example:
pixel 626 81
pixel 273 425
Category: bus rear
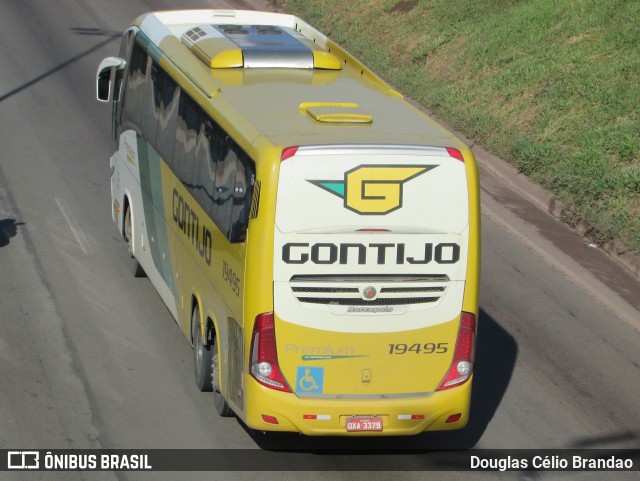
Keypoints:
pixel 375 292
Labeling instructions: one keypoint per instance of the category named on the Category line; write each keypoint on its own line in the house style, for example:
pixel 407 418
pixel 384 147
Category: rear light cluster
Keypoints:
pixel 264 357
pixel 462 364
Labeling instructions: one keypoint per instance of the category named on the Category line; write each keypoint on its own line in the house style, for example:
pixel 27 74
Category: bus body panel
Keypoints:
pixel 359 240
pixel 174 242
pixel 369 269
pixel 404 415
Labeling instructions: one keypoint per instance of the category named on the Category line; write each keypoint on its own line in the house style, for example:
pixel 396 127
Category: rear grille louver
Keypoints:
pixel 404 301
pixel 350 291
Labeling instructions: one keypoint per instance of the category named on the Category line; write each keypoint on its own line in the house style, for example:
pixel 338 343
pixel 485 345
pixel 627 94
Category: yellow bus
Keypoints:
pixel 315 237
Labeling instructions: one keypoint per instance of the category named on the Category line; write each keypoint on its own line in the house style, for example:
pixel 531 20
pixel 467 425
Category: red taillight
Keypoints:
pixel 455 153
pixel 462 364
pixel 264 357
pixel 288 152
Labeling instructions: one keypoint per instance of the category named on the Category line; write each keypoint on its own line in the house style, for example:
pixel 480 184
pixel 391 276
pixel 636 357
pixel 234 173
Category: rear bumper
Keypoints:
pixel 400 416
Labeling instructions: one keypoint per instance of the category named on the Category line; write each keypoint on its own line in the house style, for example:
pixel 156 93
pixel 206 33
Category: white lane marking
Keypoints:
pixel 74 226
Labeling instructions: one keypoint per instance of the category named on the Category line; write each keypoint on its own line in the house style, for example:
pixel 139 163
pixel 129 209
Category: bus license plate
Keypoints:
pixel 364 424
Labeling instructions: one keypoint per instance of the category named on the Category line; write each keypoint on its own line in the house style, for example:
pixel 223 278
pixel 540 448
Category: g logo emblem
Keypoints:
pixel 373 189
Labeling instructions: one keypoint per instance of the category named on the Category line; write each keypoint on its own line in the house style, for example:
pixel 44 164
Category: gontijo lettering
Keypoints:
pixel 189 223
pixel 378 253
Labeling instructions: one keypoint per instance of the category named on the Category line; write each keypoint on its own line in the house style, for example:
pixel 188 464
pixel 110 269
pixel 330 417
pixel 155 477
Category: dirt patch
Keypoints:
pixel 403 6
pixel 577 38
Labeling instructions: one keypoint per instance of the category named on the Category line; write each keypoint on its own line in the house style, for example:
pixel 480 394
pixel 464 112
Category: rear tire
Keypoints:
pixel 222 407
pixel 201 354
pixel 137 269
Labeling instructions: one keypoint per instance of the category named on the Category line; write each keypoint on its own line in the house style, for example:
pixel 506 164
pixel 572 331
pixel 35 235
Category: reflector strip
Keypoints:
pixel 318 417
pixel 454 417
pixel 269 419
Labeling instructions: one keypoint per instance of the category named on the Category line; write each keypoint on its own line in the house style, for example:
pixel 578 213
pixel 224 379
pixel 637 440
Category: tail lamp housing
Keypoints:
pixel 264 356
pixel 463 355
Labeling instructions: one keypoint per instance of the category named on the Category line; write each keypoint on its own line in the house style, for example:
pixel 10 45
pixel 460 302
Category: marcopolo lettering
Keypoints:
pixel 381 254
pixel 189 223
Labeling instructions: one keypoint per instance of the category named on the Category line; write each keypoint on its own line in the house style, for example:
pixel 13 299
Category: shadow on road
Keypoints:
pixel 8 229
pixel 111 36
pixel 495 360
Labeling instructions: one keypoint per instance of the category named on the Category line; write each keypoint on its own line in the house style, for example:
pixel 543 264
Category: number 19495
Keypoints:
pixel 231 278
pixel 427 348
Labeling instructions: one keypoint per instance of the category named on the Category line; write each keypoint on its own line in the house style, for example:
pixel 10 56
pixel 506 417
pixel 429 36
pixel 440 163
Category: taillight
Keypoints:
pixel 264 357
pixel 462 364
pixel 288 152
pixel 455 153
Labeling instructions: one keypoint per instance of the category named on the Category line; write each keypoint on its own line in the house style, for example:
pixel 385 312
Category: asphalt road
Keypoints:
pixel 90 357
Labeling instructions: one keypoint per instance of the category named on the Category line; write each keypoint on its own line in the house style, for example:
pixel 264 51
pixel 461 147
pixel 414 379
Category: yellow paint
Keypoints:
pixel 325 60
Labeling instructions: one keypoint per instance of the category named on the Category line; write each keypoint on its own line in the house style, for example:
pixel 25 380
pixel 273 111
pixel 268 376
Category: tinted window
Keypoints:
pixel 206 158
pixel 168 95
pixel 151 107
pixel 217 173
pixel 135 87
pixel 188 126
pixel 242 192
pixel 224 183
pixel 235 176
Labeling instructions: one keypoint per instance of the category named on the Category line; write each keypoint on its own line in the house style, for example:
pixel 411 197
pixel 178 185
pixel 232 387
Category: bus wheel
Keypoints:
pixel 222 407
pixel 201 354
pixel 138 271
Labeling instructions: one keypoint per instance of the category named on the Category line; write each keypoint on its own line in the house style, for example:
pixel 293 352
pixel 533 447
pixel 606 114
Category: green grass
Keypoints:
pixel 552 86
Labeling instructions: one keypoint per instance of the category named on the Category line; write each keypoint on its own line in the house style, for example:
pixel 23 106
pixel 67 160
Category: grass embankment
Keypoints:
pixel 551 86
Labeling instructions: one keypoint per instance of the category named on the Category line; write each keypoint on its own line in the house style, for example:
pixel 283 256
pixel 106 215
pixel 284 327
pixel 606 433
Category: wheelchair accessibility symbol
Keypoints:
pixel 310 380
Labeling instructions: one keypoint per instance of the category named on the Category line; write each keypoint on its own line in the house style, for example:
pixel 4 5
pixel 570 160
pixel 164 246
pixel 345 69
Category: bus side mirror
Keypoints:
pixel 103 77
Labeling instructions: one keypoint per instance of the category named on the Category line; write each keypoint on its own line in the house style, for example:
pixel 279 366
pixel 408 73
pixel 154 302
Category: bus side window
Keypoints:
pixel 205 165
pixel 135 86
pixel 169 94
pixel 126 46
pixel 233 186
pixel 151 107
pixel 224 182
pixel 245 179
pixel 188 124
